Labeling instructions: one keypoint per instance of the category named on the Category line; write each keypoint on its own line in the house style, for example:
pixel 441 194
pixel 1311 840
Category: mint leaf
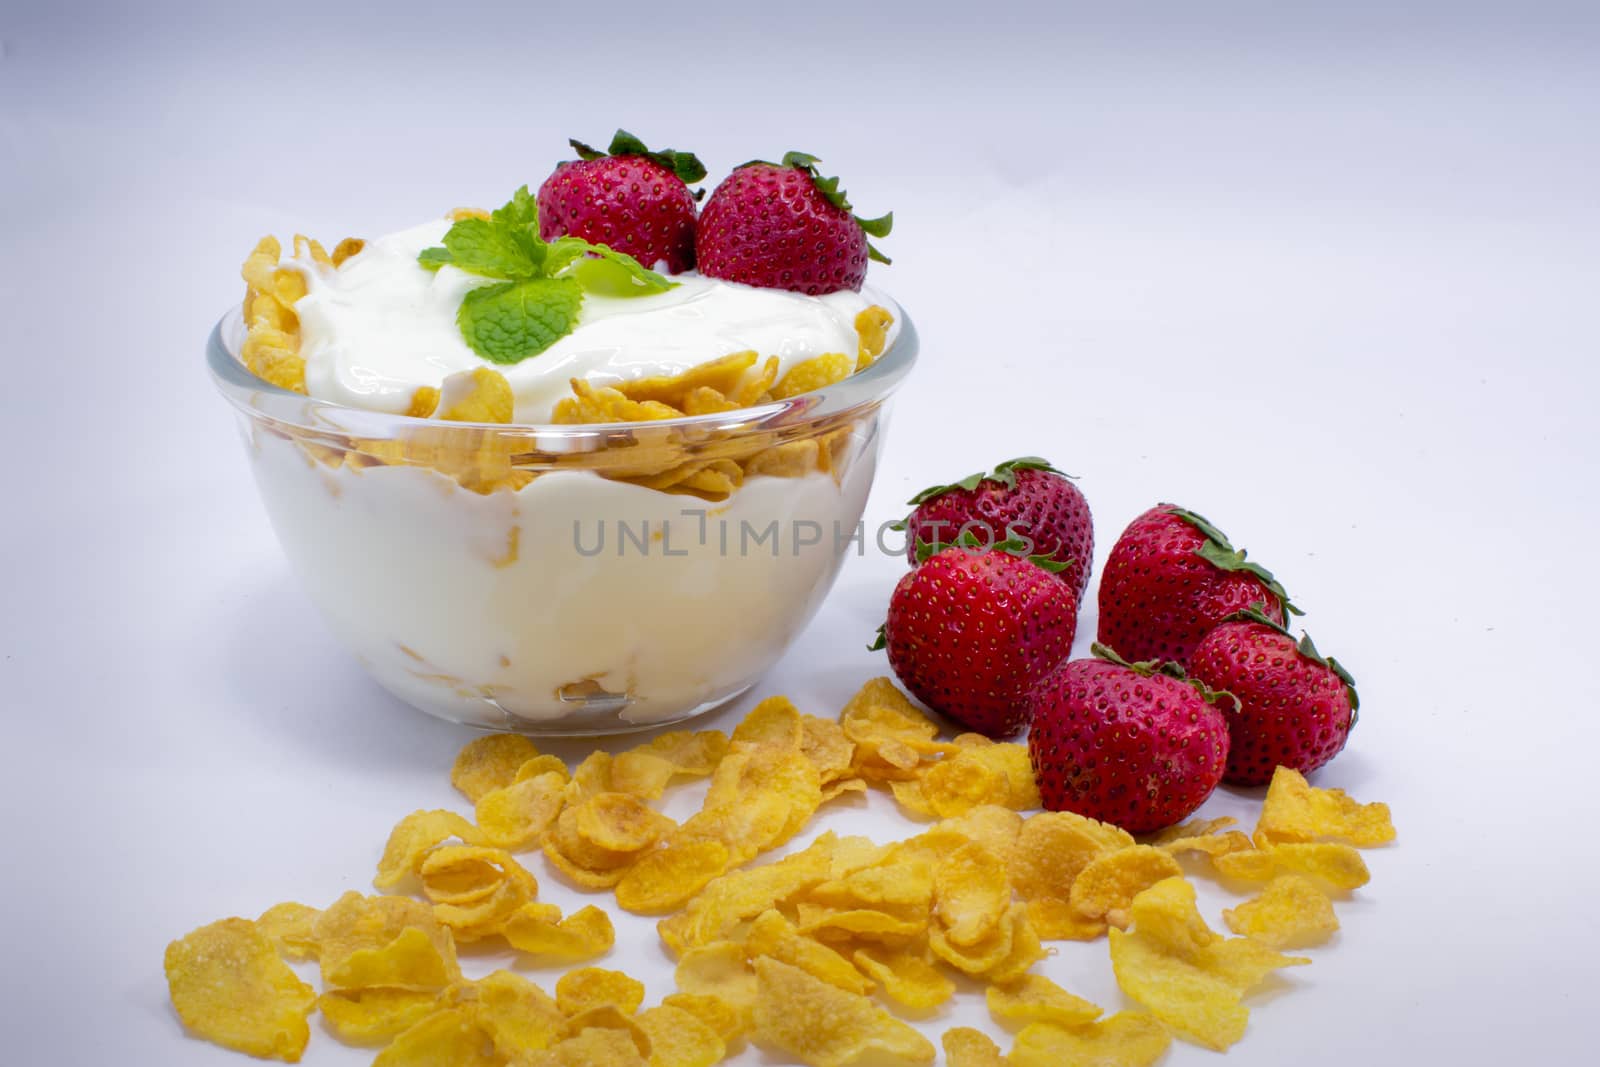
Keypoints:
pixel 480 246
pixel 521 210
pixel 433 258
pixel 563 252
pixel 509 322
pixel 614 273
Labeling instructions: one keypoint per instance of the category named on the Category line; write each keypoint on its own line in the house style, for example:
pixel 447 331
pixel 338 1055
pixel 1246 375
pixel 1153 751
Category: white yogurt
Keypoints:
pixel 381 326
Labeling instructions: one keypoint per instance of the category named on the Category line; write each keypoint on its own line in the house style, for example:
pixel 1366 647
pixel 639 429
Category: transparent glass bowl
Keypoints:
pixel 534 578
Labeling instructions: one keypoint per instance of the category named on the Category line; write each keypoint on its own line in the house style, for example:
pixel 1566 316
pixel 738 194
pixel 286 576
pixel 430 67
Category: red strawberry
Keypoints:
pixel 628 198
pixel 1170 578
pixel 784 226
pixel 1025 498
pixel 1296 707
pixel 970 632
pixel 1136 744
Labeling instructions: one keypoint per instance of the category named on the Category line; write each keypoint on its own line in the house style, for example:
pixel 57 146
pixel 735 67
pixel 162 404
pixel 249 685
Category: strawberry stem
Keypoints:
pixel 1220 553
pixel 829 188
pixel 1151 667
pixel 686 165
pixel 1306 647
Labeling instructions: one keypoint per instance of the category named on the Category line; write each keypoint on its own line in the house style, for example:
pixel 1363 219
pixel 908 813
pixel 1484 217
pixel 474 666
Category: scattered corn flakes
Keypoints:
pixel 680 1039
pixel 909 978
pixel 518 1016
pixel 375 1016
pixel 490 762
pixel 594 987
pixel 713 1011
pixel 583 935
pixel 517 816
pixel 1337 866
pixel 1106 887
pixel 1189 978
pixel 966 1047
pixel 450 1035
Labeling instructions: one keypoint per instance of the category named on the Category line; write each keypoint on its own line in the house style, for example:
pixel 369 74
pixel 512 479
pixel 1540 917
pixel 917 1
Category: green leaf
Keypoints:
pixel 881 642
pixel 480 246
pixel 878 227
pixel 521 210
pixel 1219 552
pixel 509 322
pixel 433 258
pixel 624 143
pixel 584 151
pixel 803 160
pixel 877 256
pixel 686 165
pixel 1054 566
pixel 612 273
pixel 1147 668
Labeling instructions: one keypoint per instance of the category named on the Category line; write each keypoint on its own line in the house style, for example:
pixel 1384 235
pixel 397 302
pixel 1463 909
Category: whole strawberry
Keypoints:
pixel 1170 578
pixel 970 632
pixel 1135 744
pixel 627 198
pixel 784 226
pixel 1295 706
pixel 1025 498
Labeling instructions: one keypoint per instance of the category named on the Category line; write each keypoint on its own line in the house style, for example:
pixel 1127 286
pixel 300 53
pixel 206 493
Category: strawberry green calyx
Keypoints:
pixel 1305 646
pixel 1005 474
pixel 537 286
pixel 686 165
pixel 881 642
pixel 1013 546
pixel 829 188
pixel 1220 553
pixel 1151 667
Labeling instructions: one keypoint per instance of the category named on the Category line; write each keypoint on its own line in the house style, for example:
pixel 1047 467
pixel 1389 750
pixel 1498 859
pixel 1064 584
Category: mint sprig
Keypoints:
pixel 538 286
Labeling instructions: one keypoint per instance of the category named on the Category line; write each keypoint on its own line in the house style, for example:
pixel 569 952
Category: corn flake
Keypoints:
pixel 1106 887
pixel 824 1026
pixel 230 987
pixel 812 374
pixel 1291 912
pixel 972 893
pixel 966 1047
pixel 478 395
pixel 680 1039
pixel 289 927
pixel 1337 866
pixel 375 1016
pixel 518 816
pixel 717 1014
pixel 518 1016
pixel 774 936
pixel 908 978
pixel 595 987
pixel 718 970
pixel 1051 849
pixel 1033 998
pixel 450 1035
pixel 1126 1039
pixel 489 763
pixel 1189 978
pixel 1297 811
pixel 584 934
pixel 664 880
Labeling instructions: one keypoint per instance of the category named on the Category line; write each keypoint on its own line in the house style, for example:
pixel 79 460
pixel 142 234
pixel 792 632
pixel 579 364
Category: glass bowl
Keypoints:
pixel 534 577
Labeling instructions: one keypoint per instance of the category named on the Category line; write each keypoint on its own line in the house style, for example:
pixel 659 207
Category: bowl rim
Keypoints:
pixel 261 399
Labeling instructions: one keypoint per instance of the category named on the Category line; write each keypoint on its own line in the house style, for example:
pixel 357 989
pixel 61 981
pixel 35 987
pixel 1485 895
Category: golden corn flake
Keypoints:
pixel 375 1016
pixel 412 838
pixel 1033 998
pixel 230 987
pixel 982 956
pixel 411 961
pixel 478 395
pixel 369 931
pixel 518 816
pixel 595 987
pixel 972 893
pixel 902 883
pixel 680 1039
pixel 1189 978
pixel 908 978
pixel 773 935
pixel 1126 1039
pixel 994 827
pixel 1051 849
pixel 489 763
pixel 542 764
pixel 665 880
pixel 814 373
pixel 518 1016
pixel 717 1014
pixel 591 404
pixel 966 1047
pixel 1337 866
pixel 592 1047
pixel 289 927
pixel 352 246
pixel 1297 811
pixel 647 770
pixel 865 924
pixel 872 326
pixel 1290 912
pixel 956 785
pixel 718 970
pixel 824 1026
pixel 774 722
pixel 618 823
pixel 722 374
pixel 1026 949
pixel 583 935
pixel 1106 887
pixel 450 1035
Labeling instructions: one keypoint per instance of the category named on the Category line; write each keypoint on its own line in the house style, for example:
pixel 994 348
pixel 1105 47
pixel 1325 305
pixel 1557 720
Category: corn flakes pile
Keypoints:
pixel 691 463
pixel 819 955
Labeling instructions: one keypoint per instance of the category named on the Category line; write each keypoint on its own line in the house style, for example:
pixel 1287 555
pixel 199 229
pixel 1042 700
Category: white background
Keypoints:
pixel 1329 278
